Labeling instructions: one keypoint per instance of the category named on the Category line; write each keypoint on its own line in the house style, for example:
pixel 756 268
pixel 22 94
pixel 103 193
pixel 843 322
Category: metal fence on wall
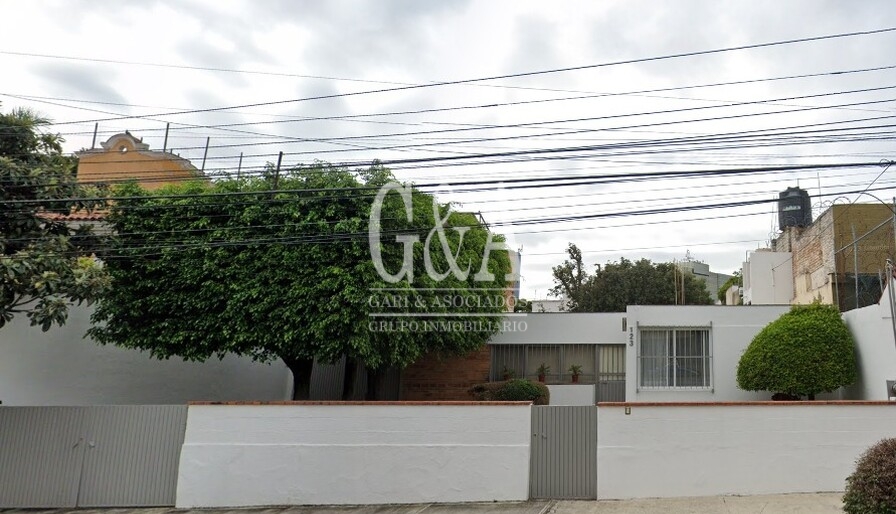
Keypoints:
pixel 860 274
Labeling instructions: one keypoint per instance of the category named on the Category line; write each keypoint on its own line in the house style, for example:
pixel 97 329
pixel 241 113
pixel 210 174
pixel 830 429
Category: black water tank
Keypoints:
pixel 794 208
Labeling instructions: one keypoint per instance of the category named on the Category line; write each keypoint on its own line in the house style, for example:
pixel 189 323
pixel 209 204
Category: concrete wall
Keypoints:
pixel 872 329
pixel 245 455
pixel 732 330
pixel 565 327
pixel 673 451
pixel 768 278
pixel 573 394
pixel 60 367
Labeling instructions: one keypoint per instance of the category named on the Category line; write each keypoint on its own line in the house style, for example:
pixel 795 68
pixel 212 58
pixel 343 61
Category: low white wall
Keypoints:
pixel 670 451
pixel 872 329
pixel 61 367
pixel 296 454
pixel 572 394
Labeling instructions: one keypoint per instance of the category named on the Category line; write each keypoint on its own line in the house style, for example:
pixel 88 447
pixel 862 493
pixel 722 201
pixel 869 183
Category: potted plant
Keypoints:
pixel 508 373
pixel 543 370
pixel 575 370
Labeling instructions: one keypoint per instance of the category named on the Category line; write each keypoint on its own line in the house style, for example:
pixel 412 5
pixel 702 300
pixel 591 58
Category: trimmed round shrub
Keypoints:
pixel 514 390
pixel 871 489
pixel 806 351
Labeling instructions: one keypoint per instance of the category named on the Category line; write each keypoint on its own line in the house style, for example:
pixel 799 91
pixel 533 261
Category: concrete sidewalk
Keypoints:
pixel 766 504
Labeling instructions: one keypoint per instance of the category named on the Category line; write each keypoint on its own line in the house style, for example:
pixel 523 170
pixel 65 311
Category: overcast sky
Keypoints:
pixel 630 107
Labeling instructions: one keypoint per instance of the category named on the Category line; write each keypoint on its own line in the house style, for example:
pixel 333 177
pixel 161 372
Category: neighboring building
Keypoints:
pixel 713 280
pixel 768 278
pixel 124 157
pixel 62 367
pixel 839 258
pixel 548 305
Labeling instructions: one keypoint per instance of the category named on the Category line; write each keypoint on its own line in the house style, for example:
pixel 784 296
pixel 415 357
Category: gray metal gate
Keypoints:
pixel 100 456
pixel 564 452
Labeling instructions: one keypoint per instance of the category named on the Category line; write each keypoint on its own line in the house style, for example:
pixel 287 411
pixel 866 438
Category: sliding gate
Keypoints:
pixel 102 456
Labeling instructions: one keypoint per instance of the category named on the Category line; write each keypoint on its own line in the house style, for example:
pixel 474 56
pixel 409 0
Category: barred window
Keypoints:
pixel 675 358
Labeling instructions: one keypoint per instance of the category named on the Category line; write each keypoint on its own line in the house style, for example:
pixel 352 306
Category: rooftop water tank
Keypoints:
pixel 794 208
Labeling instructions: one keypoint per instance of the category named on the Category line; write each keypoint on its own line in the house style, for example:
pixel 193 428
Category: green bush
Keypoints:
pixel 514 390
pixel 871 489
pixel 806 351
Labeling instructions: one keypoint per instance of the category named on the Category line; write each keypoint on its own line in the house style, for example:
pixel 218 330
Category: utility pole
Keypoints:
pixel 204 155
pixel 277 171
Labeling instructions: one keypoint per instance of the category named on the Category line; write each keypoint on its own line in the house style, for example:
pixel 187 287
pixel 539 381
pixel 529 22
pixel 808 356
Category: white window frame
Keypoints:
pixel 674 360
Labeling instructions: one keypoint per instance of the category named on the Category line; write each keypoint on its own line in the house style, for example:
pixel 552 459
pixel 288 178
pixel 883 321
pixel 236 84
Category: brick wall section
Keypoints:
pixel 445 379
pixel 815 257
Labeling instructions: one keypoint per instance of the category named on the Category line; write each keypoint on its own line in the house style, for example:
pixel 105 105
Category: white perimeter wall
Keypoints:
pixel 872 329
pixel 669 451
pixel 253 455
pixel 733 328
pixel 61 367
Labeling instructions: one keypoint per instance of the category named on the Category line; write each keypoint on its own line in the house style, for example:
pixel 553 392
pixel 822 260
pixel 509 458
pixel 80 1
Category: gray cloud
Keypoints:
pixel 83 81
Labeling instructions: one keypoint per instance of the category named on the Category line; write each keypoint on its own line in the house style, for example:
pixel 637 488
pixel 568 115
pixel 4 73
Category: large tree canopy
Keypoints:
pixel 283 267
pixel 806 351
pixel 613 286
pixel 45 261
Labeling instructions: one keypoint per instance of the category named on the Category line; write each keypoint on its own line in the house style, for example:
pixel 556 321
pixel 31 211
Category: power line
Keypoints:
pixel 507 76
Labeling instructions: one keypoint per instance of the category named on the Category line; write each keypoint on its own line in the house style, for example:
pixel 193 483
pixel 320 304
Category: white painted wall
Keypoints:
pixel 732 330
pixel 718 450
pixel 872 329
pixel 252 455
pixel 572 394
pixel 768 278
pixel 565 327
pixel 61 367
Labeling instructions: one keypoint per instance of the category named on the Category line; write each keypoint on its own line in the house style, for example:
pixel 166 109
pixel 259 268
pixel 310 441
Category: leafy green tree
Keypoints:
pixel 45 262
pixel 613 286
pixel 806 351
pixel 522 305
pixel 736 280
pixel 282 267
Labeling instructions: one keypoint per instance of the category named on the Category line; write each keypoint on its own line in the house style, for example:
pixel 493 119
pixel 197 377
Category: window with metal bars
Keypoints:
pixel 675 358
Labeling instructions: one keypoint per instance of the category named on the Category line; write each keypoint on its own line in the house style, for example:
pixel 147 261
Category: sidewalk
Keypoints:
pixel 811 503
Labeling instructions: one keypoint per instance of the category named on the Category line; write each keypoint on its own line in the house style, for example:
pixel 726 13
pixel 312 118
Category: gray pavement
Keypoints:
pixel 814 503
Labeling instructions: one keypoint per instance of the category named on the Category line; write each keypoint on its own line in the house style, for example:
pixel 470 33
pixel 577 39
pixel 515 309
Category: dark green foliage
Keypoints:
pixel 206 269
pixel 871 489
pixel 806 351
pixel 614 286
pixel 514 390
pixel 45 264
